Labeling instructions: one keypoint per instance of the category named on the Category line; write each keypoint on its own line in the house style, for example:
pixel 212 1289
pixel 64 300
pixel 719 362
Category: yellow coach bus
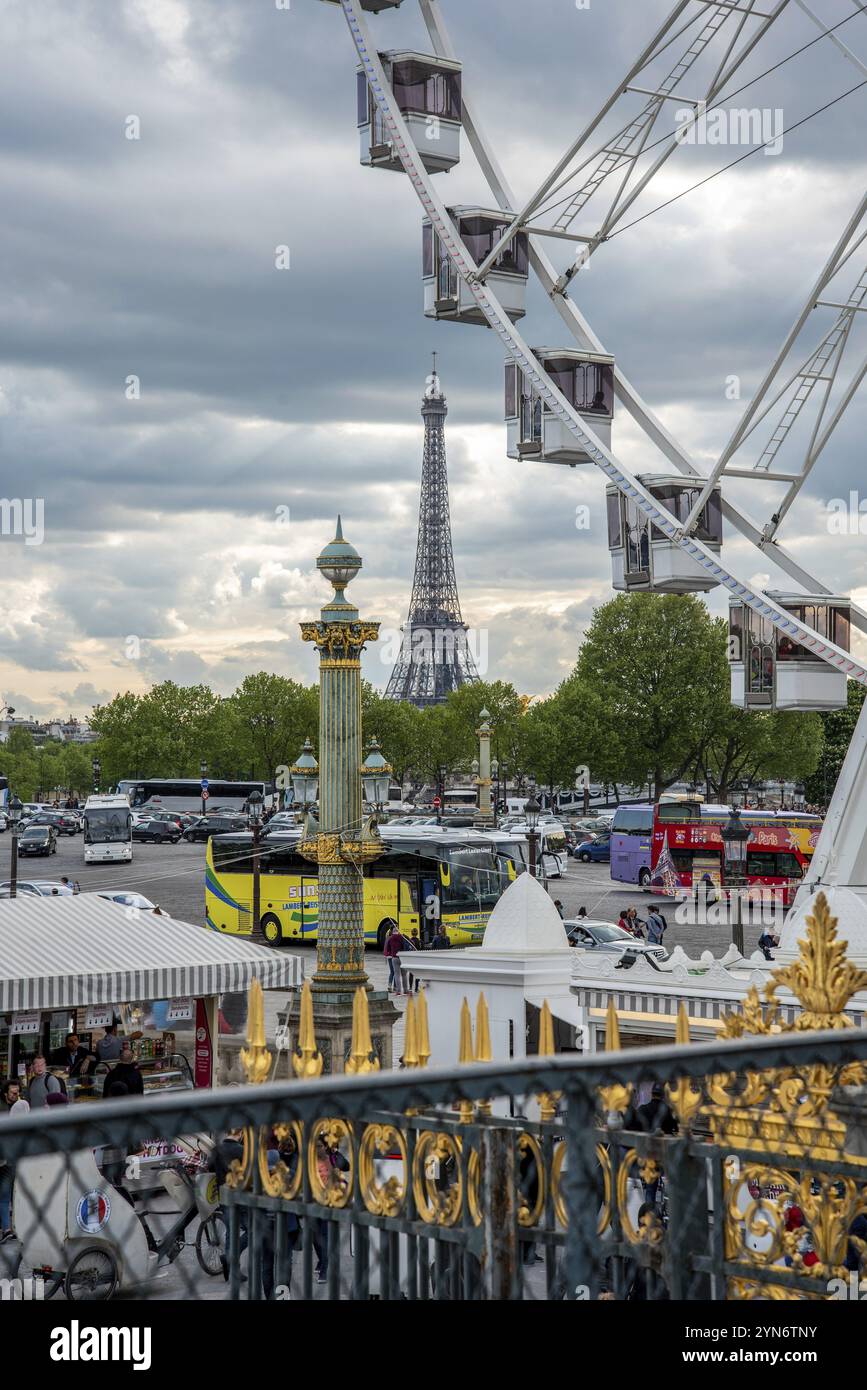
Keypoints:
pixel 454 877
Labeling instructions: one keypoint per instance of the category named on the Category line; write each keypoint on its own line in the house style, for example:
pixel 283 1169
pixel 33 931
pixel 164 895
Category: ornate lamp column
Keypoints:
pixel 341 843
pixel 485 816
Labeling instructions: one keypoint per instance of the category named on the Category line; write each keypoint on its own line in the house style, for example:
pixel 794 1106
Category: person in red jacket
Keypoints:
pixel 394 943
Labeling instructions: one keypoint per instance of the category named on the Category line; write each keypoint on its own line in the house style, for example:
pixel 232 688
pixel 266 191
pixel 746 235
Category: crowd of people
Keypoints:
pixel 46 1087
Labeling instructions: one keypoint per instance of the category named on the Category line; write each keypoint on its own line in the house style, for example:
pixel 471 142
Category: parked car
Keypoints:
pixel 595 851
pixel 152 831
pixel 609 939
pixel 62 821
pixel 23 890
pixel 130 900
pixel 42 887
pixel 206 826
pixel 179 818
pixel 38 839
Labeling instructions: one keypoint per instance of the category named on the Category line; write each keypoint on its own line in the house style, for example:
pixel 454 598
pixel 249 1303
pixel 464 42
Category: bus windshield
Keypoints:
pixel 108 826
pixel 474 877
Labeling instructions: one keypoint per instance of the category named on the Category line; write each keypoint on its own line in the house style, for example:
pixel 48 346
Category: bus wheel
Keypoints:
pixel 644 878
pixel 271 929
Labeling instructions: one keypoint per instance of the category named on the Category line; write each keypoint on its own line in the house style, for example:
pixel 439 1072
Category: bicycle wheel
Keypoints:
pixel 92 1276
pixel 211 1244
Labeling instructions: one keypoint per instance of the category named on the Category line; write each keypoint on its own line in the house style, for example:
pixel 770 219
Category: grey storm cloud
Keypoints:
pixel 263 389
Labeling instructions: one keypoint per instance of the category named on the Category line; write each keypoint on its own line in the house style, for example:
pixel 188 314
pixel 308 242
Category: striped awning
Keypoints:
pixel 69 951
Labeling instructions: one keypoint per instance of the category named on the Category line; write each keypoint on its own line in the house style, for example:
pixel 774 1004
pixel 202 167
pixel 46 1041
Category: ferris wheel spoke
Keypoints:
pixel 631 487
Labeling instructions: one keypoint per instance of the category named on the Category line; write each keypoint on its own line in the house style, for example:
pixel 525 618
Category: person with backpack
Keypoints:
pixel 42 1084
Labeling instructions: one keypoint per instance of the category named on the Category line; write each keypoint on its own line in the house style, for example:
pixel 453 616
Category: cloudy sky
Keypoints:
pixel 181 527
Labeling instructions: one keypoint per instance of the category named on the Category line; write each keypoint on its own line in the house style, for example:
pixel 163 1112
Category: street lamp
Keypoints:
pixel 441 792
pixel 305 778
pixel 531 815
pixel 735 837
pixel 203 773
pixel 14 808
pixel 375 777
pixel 255 802
pixel 581 780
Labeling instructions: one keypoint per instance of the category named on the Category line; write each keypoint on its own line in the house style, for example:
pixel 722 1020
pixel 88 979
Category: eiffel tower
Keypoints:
pixel 434 656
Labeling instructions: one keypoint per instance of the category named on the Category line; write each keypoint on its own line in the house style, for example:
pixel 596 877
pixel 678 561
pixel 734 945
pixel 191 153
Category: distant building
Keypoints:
pixel 69 730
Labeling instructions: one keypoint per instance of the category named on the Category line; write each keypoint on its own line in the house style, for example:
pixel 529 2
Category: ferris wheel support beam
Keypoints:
pixel 521 353
pixel 751 415
pixel 626 158
pixel 585 336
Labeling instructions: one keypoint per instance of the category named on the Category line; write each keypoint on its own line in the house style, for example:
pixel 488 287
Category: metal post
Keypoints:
pixel 736 921
pixel 531 837
pixel 256 932
pixel 13 867
pixel 499 1253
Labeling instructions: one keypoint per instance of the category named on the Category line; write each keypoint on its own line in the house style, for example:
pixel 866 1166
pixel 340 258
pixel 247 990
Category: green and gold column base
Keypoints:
pixel 333 1025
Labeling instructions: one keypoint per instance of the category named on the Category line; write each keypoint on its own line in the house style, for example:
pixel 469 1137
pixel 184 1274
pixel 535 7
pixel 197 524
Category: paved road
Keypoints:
pixel 173 876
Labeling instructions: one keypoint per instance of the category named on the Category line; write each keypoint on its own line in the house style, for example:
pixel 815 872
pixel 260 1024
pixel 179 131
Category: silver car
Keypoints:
pixel 591 935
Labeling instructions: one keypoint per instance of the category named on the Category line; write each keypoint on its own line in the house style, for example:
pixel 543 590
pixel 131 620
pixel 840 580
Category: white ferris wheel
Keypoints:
pixel 789 649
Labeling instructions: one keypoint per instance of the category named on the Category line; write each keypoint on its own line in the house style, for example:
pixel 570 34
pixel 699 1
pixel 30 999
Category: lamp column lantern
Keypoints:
pixel 305 779
pixel 485 815
pixel 340 841
pixel 14 808
pixel 735 837
pixel 531 814
pixel 376 778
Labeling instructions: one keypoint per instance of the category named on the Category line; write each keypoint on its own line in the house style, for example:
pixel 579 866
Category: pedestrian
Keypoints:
pixel 441 941
pixel 394 943
pixel 65 885
pixel 655 927
pixel 634 924
pixel 228 1151
pixel 330 1165
pixel 109 1047
pixel 74 1058
pixel 12 1105
pixel 125 1071
pixel 766 941
pixel 559 907
pixel 415 941
pixel 42 1083
pixel 582 912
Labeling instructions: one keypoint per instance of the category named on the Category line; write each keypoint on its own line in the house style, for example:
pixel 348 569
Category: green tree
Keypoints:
pixel 838 726
pixel 652 663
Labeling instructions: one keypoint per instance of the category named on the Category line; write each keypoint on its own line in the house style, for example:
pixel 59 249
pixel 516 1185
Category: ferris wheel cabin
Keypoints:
pixel 771 671
pixel 586 379
pixel 643 557
pixel 446 293
pixel 428 92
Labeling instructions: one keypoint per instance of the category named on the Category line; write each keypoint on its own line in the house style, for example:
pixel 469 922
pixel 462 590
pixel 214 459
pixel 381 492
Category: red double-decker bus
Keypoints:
pixel 687 849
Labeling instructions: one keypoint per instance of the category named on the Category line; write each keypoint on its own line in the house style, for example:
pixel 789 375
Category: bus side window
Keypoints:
pixel 408 895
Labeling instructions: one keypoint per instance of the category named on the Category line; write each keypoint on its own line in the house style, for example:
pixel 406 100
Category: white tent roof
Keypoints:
pixel 58 952
pixel 525 920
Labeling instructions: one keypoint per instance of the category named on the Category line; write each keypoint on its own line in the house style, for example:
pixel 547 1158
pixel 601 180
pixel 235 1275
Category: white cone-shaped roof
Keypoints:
pixel 848 905
pixel 525 920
